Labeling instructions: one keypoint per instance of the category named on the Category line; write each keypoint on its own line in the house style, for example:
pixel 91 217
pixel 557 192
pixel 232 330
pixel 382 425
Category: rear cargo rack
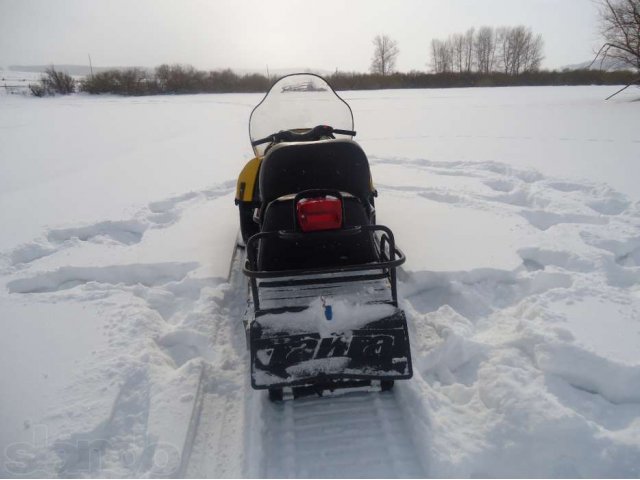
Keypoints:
pixel 390 256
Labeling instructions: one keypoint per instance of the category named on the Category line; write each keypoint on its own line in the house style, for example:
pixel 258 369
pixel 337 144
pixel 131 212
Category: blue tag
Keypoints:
pixel 328 312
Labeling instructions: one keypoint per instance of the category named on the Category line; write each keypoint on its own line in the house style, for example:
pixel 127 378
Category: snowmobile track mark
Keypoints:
pixel 218 437
pixel 353 435
pixel 220 407
pixel 192 430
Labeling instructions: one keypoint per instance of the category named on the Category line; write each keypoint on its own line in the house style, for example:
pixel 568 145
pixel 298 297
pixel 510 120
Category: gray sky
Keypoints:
pixel 249 34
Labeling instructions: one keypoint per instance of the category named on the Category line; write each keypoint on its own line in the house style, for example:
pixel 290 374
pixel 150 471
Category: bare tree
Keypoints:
pixel 384 56
pixel 484 49
pixel 513 49
pixel 504 49
pixel 533 56
pixel 59 82
pixel 461 49
pixel 441 56
pixel 468 50
pixel 457 48
pixel 518 49
pixel 53 82
pixel 620 27
pixel 436 60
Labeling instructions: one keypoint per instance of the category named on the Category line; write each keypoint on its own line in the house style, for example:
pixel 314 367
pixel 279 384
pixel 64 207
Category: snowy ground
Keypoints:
pixel 121 351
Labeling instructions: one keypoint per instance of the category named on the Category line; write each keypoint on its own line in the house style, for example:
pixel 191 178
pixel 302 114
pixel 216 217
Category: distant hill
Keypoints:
pixel 281 72
pixel 606 64
pixel 79 70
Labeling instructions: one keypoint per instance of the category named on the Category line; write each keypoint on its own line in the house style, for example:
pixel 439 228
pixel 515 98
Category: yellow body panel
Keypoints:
pixel 247 180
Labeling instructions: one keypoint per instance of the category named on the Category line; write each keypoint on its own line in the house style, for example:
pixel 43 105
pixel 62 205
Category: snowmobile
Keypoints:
pixel 323 304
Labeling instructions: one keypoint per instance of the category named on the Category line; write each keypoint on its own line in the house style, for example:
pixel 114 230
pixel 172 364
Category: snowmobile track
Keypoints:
pixel 359 434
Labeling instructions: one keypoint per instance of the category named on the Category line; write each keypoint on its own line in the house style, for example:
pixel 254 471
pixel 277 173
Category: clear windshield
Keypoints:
pixel 298 102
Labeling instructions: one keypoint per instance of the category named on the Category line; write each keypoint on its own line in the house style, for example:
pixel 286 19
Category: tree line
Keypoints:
pixel 172 79
pixel 510 50
pixel 165 79
pixel 416 79
pixel 179 79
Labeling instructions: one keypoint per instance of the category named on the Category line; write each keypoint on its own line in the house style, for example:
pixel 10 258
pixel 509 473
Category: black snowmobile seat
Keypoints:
pixel 326 164
pixel 290 168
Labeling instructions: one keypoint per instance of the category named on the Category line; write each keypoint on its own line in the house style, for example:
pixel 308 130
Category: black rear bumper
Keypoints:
pixel 379 350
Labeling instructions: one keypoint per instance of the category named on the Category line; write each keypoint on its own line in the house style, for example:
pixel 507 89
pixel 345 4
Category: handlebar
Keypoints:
pixel 316 133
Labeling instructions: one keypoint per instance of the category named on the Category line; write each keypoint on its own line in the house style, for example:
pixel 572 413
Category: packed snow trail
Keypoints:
pixel 219 423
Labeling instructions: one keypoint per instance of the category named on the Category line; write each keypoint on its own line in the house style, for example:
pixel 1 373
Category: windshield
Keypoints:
pixel 298 102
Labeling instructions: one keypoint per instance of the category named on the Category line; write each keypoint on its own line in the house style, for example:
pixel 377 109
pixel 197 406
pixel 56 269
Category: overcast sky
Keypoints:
pixel 250 34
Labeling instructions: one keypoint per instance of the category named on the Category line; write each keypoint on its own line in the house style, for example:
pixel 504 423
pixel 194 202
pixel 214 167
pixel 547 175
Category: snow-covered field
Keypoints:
pixel 122 353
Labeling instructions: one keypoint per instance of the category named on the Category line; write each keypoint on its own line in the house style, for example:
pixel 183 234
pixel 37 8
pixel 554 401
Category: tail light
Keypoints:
pixel 319 213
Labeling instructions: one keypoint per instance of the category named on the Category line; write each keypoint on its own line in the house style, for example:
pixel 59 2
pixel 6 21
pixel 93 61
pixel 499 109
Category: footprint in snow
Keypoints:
pixel 160 214
pixel 69 277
